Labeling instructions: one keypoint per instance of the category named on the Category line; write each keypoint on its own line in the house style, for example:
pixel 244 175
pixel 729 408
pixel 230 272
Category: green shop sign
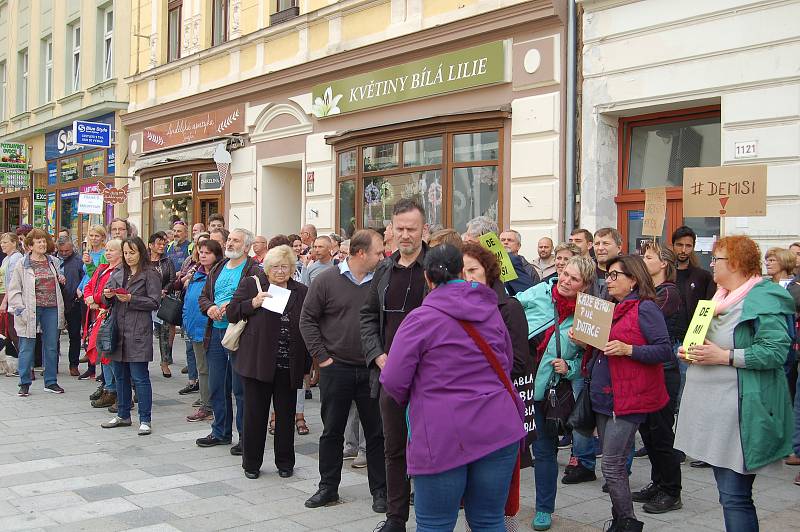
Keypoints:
pixel 472 67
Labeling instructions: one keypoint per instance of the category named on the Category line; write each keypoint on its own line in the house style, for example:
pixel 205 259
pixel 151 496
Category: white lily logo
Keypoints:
pixel 327 105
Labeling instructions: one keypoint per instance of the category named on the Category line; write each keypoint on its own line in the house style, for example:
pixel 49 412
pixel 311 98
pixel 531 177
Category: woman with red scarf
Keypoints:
pixel 106 394
pixel 555 357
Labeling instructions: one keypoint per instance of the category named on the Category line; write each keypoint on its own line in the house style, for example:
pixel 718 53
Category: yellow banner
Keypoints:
pixel 492 243
pixel 698 328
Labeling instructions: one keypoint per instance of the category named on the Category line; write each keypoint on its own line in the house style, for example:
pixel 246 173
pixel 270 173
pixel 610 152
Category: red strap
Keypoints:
pixel 487 351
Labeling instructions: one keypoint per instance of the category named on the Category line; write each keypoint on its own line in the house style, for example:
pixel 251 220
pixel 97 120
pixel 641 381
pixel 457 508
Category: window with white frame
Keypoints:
pixel 108 44
pixel 22 93
pixel 76 58
pixel 174 29
pixel 47 65
pixel 3 90
pixel 219 22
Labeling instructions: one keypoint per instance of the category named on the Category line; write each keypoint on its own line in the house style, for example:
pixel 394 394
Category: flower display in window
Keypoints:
pixel 435 194
pixel 372 194
pixel 327 105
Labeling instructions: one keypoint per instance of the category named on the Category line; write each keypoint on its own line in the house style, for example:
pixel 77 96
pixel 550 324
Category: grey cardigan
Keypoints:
pixel 22 296
pixel 134 319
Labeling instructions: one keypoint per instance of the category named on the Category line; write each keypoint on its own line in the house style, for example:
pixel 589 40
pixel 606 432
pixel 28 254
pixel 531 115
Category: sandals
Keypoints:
pixel 300 425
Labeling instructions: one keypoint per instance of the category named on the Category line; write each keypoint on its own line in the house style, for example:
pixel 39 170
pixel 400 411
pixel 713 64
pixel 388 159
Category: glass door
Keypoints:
pixel 208 206
pixel 11 220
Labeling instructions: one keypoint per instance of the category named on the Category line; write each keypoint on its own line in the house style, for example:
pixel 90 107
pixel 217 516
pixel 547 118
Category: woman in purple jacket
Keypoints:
pixel 464 427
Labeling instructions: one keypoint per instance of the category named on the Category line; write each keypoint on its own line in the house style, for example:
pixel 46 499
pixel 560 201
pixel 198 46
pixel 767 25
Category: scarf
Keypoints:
pixel 726 299
pixel 565 308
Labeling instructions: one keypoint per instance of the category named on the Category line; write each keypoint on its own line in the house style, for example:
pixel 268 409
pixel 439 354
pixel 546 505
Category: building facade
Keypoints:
pixel 62 61
pixel 699 84
pixel 331 111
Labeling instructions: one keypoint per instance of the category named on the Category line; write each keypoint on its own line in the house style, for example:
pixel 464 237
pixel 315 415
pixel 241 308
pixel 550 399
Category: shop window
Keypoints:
pixel 209 181
pixel 93 164
pixel 189 195
pixel 69 169
pixel 654 151
pixel 162 186
pixel 165 209
pixel 454 174
pixel 182 184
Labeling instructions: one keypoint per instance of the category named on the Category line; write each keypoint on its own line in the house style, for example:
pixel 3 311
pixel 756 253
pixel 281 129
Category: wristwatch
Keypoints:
pixel 730 357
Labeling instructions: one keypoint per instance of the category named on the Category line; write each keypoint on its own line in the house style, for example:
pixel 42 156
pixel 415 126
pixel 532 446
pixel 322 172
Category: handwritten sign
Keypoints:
pixel 492 243
pixel 655 211
pixel 90 204
pixel 592 323
pixel 725 191
pixel 113 195
pixel 698 328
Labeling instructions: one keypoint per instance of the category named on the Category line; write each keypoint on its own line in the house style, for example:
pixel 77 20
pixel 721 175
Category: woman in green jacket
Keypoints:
pixel 541 303
pixel 736 413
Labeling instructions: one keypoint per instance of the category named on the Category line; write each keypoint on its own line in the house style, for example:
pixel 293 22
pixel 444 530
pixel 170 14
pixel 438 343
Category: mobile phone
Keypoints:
pixel 120 291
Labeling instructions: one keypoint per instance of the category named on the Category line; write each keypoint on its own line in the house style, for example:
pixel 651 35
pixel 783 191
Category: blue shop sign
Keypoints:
pixel 91 134
pixel 59 143
pixel 112 162
pixel 52 173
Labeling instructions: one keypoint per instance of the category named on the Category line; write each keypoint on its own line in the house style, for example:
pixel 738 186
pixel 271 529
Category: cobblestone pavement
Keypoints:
pixel 60 471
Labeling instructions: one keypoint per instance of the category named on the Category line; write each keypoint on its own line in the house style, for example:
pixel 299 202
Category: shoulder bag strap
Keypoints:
pixel 487 351
pixel 258 283
pixel 557 330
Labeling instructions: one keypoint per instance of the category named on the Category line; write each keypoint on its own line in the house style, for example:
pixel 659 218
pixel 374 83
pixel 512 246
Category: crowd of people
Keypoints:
pixel 421 350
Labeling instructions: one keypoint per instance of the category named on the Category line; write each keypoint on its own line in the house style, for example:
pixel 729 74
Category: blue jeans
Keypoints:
pixel 191 361
pixel 583 447
pixel 482 484
pixel 736 498
pixel 110 381
pixel 545 472
pixel 47 321
pixel 222 380
pixel 140 375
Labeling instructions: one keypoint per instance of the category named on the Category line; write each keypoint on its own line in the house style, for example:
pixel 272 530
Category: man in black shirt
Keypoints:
pixel 397 288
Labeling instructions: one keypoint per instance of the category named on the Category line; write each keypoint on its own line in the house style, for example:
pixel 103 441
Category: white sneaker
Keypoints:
pixel 144 429
pixel 360 461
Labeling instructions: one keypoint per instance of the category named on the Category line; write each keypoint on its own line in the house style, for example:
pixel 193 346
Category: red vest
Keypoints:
pixel 638 388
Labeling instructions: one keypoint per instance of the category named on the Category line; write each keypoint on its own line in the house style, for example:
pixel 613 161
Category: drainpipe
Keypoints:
pixel 569 189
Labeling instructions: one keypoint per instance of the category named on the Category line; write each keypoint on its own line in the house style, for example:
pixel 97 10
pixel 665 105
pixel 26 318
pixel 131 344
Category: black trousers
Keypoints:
pixel 257 397
pixel 658 438
pixel 395 435
pixel 73 319
pixel 341 384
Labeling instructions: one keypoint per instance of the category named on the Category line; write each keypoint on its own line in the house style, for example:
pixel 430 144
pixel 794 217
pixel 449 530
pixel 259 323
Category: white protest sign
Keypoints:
pixel 90 204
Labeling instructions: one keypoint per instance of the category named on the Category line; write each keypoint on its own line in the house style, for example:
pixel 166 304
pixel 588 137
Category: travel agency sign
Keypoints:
pixel 484 64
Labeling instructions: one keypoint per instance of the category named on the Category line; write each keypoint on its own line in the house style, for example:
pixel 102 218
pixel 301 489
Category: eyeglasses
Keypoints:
pixel 279 268
pixel 715 259
pixel 405 298
pixel 613 275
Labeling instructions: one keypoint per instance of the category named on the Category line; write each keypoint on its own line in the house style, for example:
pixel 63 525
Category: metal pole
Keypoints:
pixel 569 189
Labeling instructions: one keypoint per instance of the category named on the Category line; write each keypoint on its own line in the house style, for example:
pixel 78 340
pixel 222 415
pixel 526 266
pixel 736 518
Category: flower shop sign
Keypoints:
pixel 194 128
pixel 480 65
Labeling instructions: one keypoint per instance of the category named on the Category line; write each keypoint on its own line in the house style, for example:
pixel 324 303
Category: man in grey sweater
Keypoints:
pixel 330 326
pixel 323 259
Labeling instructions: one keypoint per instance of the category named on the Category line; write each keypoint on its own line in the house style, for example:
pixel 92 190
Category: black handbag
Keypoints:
pixel 171 310
pixel 582 419
pixel 558 398
pixel 108 334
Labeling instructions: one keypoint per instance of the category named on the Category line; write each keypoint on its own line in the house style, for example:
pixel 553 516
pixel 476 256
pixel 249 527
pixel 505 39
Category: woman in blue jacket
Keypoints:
pixel 541 303
pixel 194 321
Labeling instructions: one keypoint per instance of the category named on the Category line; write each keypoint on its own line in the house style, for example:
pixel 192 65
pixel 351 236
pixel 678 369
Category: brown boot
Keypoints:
pixel 106 400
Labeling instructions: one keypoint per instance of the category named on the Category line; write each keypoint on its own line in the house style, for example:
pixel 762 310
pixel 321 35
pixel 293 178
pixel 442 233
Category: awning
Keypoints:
pixel 176 155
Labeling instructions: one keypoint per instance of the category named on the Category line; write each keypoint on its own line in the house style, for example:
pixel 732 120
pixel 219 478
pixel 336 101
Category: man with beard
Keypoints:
pixel 397 288
pixel 330 327
pixel 223 279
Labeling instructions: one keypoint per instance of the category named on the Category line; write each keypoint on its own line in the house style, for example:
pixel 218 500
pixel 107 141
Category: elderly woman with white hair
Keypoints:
pixel 270 360
pixel 481 225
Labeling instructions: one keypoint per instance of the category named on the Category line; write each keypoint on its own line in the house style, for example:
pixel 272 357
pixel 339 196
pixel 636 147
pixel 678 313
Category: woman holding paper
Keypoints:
pixel 736 383
pixel 270 359
pixel 628 377
pixel 554 355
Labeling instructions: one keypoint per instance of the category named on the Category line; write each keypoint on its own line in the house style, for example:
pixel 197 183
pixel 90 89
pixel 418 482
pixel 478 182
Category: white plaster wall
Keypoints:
pixel 320 209
pixel 640 58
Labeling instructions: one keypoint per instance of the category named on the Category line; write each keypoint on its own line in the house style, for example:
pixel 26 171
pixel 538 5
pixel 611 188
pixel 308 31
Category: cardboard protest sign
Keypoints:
pixel 725 191
pixel 592 323
pixel 492 243
pixel 655 211
pixel 698 328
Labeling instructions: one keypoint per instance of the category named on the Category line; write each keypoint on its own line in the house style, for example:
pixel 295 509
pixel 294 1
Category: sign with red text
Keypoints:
pixel 592 322
pixel 719 191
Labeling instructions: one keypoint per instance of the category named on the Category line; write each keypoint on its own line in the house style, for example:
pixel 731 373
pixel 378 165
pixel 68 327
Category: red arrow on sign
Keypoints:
pixel 724 202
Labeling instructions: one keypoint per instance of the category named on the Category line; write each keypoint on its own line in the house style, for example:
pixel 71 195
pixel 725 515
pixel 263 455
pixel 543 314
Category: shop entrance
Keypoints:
pixel 11 214
pixel 282 198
